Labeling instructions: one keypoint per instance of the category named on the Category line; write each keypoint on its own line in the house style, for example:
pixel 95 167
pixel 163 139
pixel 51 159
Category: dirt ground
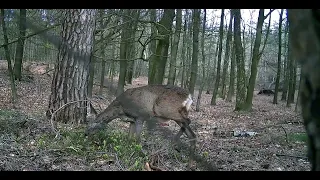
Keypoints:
pixel 273 148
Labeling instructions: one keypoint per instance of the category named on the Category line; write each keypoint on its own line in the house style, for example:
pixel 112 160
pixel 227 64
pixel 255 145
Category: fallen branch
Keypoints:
pixel 63 106
pixel 287 155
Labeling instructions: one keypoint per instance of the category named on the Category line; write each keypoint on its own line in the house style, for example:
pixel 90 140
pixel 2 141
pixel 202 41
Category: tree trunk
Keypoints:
pixel 203 61
pixel 153 45
pixel 241 89
pixel 285 67
pixel 217 83
pixel 275 97
pixel 102 54
pixel 304 41
pixel 71 73
pixel 188 56
pixel 20 45
pixel 131 46
pixel 255 61
pixel 195 49
pixel 7 54
pixel 91 73
pixel 123 52
pixel 183 50
pixel 212 75
pixel 174 48
pixel 294 81
pixel 226 58
pixel 290 73
pixel 232 74
pixel 160 59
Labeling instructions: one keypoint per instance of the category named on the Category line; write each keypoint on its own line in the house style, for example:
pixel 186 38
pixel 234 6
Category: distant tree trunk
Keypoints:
pixel 102 54
pixel 160 59
pixel 112 67
pixel 208 71
pixel 213 72
pixel 183 50
pixel 91 74
pixel 255 61
pixel 285 67
pixel 195 49
pixel 217 83
pixel 188 56
pixel 226 58
pixel 103 71
pixel 275 98
pixel 174 48
pixel 232 74
pixel 7 54
pixel 153 45
pixel 123 52
pixel 131 46
pixel 71 73
pixel 203 61
pixel 241 89
pixel 20 44
pixel 298 96
pixel 290 73
pixel 294 81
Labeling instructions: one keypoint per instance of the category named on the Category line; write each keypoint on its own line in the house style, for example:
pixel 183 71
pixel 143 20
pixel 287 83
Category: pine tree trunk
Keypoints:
pixel 70 81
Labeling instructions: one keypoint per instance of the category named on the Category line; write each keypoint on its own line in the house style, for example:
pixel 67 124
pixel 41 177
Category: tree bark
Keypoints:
pixel 195 49
pixel 131 45
pixel 275 97
pixel 70 81
pixel 305 42
pixel 183 50
pixel 7 54
pixel 241 89
pixel 217 83
pixel 153 45
pixel 203 61
pixel 226 58
pixel 285 66
pixel 290 73
pixel 123 52
pixel 255 61
pixel 232 74
pixel 20 44
pixel 174 49
pixel 160 59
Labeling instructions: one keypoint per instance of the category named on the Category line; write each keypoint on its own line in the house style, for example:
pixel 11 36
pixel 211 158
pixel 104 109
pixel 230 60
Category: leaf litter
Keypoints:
pixel 268 150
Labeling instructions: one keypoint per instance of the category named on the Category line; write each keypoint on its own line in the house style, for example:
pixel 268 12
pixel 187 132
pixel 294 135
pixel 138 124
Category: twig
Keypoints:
pixel 156 168
pixel 299 157
pixel 117 162
pixel 202 147
pixel 55 112
pixel 285 132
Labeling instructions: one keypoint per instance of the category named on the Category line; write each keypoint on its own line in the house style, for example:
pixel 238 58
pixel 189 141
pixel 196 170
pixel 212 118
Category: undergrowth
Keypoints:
pixel 111 146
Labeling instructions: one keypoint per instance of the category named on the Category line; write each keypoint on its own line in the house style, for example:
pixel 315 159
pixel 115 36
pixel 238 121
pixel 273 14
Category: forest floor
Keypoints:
pixel 27 142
